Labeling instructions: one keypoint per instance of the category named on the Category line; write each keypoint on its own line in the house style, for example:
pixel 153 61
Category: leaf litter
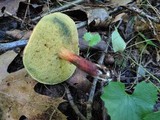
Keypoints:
pixel 127 70
pixel 5 60
pixel 18 98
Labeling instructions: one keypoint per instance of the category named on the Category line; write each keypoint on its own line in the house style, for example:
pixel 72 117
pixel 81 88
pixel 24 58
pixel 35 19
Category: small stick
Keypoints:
pixel 93 88
pixel 13 16
pixel 66 6
pixel 16 18
pixel 81 24
pixel 27 9
pixel 74 107
pixel 11 45
pixel 143 14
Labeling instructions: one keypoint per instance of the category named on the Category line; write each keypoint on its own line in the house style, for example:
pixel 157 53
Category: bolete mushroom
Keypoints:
pixel 53 43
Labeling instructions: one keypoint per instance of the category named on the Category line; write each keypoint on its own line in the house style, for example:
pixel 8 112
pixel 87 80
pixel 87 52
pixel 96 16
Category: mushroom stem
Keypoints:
pixel 80 62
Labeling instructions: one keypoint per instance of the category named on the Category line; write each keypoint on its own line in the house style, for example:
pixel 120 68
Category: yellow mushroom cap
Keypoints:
pixel 41 55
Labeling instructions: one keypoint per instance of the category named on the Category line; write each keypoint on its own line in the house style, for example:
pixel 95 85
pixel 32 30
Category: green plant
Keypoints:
pixel 148 41
pixel 152 116
pixel 92 39
pixel 123 106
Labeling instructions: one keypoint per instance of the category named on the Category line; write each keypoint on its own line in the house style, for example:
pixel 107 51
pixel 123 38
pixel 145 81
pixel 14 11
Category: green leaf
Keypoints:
pixel 87 36
pixel 92 39
pixel 153 116
pixel 148 41
pixel 118 43
pixel 122 106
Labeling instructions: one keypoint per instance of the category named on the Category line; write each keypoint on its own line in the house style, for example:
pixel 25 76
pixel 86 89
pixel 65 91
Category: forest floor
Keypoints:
pixel 126 51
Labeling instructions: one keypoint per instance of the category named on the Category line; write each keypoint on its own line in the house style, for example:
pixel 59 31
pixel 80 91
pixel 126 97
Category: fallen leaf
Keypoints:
pixel 141 25
pixel 17 98
pixel 79 81
pixel 19 34
pixel 120 2
pixel 10 5
pixel 98 16
pixel 119 17
pixel 5 60
pixel 118 43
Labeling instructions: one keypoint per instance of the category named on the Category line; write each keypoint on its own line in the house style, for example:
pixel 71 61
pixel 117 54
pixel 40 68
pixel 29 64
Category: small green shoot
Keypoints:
pixel 92 39
pixel 148 41
pixel 123 106
pixel 118 43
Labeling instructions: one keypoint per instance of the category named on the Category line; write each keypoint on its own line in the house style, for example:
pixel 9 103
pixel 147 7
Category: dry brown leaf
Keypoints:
pixel 99 16
pixel 79 81
pixel 120 2
pixel 17 98
pixel 5 60
pixel 10 6
pixel 19 34
pixel 119 17
pixel 141 25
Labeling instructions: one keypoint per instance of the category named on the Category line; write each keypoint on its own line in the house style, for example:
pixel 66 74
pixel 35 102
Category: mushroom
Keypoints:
pixel 51 55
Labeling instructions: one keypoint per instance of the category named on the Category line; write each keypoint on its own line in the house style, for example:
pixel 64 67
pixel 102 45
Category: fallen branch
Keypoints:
pixel 17 18
pixel 66 6
pixel 11 45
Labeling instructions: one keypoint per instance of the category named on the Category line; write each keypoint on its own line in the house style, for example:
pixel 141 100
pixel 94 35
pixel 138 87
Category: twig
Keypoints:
pixel 16 18
pixel 25 15
pixel 66 6
pixel 11 45
pixel 13 16
pixel 93 88
pixel 144 69
pixel 143 14
pixel 81 24
pixel 74 107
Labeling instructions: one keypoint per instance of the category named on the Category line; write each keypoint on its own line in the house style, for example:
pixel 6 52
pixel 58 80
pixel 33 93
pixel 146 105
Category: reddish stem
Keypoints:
pixel 80 62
